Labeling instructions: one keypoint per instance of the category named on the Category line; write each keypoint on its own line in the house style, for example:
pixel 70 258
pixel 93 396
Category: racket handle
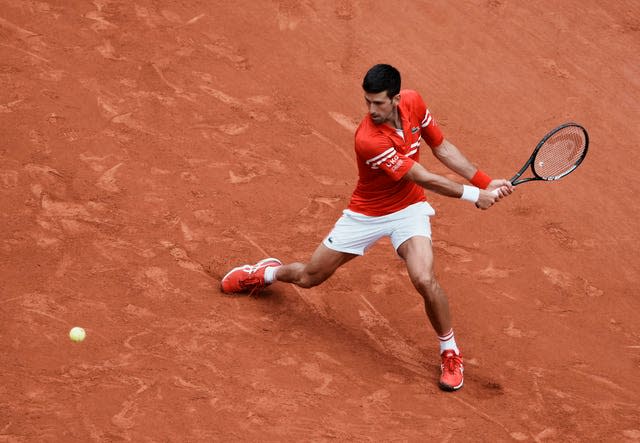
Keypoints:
pixel 495 192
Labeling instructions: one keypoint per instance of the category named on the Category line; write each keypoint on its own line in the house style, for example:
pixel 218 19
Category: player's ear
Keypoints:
pixel 395 100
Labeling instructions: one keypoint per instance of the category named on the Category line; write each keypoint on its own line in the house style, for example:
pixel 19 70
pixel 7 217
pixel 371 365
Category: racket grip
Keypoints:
pixel 495 192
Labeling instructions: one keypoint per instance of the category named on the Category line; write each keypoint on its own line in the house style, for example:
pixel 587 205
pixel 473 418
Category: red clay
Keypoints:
pixel 149 147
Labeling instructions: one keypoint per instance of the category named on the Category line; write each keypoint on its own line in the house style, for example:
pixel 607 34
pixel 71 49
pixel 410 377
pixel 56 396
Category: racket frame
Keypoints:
pixel 514 180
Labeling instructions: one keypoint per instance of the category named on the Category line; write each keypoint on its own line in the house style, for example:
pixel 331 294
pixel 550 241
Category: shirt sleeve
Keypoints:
pixel 380 154
pixel 430 131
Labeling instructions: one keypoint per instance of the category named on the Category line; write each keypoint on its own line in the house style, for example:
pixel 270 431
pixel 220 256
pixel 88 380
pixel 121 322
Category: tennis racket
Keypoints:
pixel 558 154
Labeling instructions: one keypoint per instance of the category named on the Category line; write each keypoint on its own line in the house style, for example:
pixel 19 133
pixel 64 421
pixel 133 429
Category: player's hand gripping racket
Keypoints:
pixel 558 154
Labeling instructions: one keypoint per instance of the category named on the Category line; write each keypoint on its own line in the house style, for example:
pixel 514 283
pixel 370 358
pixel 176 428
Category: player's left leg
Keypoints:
pixel 417 252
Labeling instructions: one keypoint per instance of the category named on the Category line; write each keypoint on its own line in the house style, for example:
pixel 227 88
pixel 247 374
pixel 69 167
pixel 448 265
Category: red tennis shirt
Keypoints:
pixel 384 156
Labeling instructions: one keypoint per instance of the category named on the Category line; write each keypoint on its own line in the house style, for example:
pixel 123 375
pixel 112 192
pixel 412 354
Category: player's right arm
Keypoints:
pixel 443 186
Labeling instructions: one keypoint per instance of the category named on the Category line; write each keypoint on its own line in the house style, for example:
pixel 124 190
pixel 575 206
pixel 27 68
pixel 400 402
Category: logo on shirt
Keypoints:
pixel 394 163
pixel 415 130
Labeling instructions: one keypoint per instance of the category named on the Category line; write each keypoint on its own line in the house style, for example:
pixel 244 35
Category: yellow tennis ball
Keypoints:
pixel 77 334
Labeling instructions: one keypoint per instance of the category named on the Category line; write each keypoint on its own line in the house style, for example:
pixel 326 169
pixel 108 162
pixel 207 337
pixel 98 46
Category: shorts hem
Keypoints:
pixel 422 234
pixel 344 250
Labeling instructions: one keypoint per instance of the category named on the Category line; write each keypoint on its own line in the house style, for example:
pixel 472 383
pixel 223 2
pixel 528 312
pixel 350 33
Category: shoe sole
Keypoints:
pixel 266 260
pixel 449 388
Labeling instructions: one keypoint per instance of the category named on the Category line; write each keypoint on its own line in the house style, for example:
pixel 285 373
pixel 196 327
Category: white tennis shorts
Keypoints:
pixel 354 233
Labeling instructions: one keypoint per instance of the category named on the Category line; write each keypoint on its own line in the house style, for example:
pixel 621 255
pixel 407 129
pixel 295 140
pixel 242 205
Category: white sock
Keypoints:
pixel 448 341
pixel 270 274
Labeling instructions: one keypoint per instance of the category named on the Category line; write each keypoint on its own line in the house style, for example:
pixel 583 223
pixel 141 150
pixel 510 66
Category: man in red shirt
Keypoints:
pixel 389 201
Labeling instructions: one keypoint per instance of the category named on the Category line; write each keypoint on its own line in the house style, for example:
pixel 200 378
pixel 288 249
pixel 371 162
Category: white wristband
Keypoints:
pixel 470 193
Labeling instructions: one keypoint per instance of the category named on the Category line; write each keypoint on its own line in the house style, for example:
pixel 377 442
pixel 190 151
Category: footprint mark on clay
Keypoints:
pixel 345 10
pixel 514 332
pixel 94 162
pixel 633 434
pixel 233 128
pixel 287 361
pixel 62 209
pixel 558 278
pixel 380 331
pixel 312 372
pixel 241 178
pixel 490 273
pixel 107 181
pixel 511 331
pixel 184 261
pixel 314 212
pixel 380 283
pixel 130 122
pixel 551 67
pixel 374 403
pixel 545 433
pixel 222 96
pixel 328 358
pixel 171 16
pixel 289 16
pixel 107 51
pixel 292 13
pixel 459 253
pixel 39 140
pixel 125 419
pixel 8 179
pixel 561 235
pixel 156 278
pixel 101 24
pixel 495 6
pixel 8 107
pixel 570 284
pixel 150 19
pixel 224 50
pixel 320 178
pixel 237 104
pixel 346 122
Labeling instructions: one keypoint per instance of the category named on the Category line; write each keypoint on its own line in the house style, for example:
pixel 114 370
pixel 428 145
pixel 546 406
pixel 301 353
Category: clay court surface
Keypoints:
pixel 146 147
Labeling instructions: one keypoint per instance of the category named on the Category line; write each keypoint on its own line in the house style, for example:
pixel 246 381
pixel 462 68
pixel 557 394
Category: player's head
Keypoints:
pixel 381 86
pixel 381 78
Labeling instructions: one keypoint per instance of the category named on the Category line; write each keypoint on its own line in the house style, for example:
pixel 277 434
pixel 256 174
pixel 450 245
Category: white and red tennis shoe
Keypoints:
pixel 452 371
pixel 247 278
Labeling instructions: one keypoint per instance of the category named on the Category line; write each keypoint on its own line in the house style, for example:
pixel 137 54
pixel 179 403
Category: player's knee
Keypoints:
pixel 311 279
pixel 307 282
pixel 426 283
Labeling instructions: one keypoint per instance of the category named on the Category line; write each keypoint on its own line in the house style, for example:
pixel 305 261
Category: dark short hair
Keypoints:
pixel 382 78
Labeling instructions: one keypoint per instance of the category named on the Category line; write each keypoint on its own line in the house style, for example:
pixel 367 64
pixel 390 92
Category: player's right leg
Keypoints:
pixel 248 278
pixel 351 236
pixel 322 265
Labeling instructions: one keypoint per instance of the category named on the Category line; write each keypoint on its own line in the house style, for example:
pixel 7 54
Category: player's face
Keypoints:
pixel 381 108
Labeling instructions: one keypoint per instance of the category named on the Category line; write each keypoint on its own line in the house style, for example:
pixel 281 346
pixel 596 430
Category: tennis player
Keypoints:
pixel 389 201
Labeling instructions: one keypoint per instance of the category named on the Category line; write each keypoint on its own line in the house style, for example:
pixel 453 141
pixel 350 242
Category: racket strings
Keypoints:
pixel 560 153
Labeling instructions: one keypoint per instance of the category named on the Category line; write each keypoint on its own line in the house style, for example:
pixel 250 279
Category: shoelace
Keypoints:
pixel 253 282
pixel 451 363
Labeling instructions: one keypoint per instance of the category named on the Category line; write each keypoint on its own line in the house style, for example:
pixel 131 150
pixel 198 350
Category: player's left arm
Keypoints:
pixel 450 155
pixel 454 159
